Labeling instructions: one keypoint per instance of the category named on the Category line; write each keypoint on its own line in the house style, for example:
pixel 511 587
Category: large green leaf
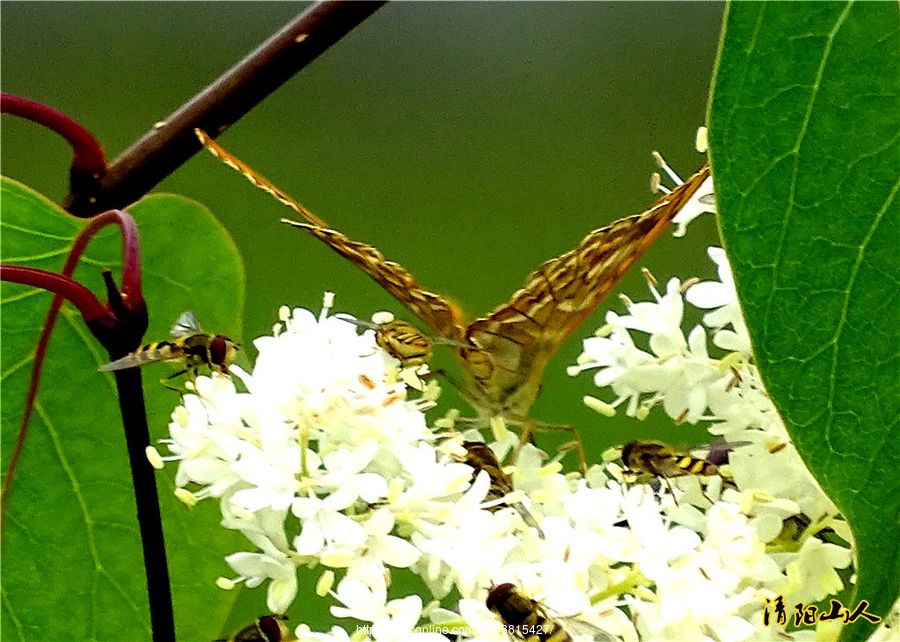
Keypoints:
pixel 804 143
pixel 72 562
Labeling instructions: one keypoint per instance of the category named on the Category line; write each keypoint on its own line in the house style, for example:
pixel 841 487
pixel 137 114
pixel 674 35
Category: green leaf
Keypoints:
pixel 804 145
pixel 73 567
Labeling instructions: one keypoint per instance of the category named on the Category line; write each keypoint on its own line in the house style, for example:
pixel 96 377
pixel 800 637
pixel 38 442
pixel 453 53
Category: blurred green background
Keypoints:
pixel 468 141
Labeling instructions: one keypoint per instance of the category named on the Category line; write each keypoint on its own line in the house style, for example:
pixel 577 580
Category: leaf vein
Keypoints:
pixel 851 282
pixel 17 366
pixel 47 235
pixel 27 294
pixel 801 135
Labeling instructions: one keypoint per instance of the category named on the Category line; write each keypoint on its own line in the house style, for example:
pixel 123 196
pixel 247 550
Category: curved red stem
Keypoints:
pixel 88 154
pixel 61 285
pixel 95 313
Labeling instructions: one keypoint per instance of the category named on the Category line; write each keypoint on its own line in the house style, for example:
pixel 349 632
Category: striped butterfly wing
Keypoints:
pixel 440 314
pixel 524 333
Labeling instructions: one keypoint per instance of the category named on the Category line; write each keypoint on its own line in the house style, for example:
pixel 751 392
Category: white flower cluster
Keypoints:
pixel 325 461
pixel 758 521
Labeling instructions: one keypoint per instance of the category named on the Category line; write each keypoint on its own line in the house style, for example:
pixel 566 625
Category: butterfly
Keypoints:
pixel 503 354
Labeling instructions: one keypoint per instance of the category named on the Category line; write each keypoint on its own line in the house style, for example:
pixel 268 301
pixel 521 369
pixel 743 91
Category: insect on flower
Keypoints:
pixel 661 460
pixel 400 339
pixel 267 628
pixel 528 619
pixel 189 345
pixel 503 355
pixel 480 457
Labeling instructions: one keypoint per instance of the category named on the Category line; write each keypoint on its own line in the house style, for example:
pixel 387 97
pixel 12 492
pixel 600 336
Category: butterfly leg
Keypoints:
pixel 529 426
pixel 525 437
pixel 441 373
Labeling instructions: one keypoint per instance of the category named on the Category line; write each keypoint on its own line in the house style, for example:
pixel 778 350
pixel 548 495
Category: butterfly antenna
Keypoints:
pixel 256 179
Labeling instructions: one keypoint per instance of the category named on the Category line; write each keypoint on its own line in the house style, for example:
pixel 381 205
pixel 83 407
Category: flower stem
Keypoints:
pixel 627 583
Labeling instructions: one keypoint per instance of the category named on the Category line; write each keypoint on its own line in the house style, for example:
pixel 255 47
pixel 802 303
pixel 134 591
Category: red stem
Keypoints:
pixel 94 312
pixel 81 297
pixel 131 262
pixel 88 154
pixel 62 286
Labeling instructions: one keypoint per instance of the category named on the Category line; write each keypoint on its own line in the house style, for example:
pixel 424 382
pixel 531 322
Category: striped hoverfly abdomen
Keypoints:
pixel 661 460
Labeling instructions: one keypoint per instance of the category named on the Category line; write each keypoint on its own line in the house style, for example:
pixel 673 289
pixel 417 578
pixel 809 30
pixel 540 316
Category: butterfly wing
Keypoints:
pixel 438 313
pixel 255 178
pixel 523 334
pixel 441 315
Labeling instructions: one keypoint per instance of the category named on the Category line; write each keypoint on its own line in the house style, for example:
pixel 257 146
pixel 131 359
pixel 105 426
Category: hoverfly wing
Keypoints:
pixel 132 360
pixel 578 629
pixel 185 325
pixel 480 457
pixel 581 630
pixel 528 518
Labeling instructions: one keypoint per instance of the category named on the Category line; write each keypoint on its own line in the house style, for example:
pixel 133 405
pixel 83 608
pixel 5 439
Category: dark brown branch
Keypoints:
pixel 156 568
pixel 167 146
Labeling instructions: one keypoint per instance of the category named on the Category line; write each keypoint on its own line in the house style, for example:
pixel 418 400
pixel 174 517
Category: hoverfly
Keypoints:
pixel 267 628
pixel 404 342
pixel 400 339
pixel 661 460
pixel 480 457
pixel 656 459
pixel 528 619
pixel 190 345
